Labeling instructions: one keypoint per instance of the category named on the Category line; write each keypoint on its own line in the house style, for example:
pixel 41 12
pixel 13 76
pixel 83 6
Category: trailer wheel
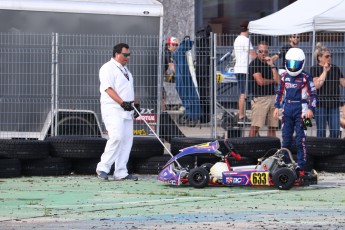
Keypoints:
pixel 77 126
pixel 24 149
pixel 284 178
pixel 10 168
pixel 198 177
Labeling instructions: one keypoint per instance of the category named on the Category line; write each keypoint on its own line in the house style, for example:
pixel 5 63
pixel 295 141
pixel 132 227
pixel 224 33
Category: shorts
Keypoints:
pixel 262 112
pixel 241 82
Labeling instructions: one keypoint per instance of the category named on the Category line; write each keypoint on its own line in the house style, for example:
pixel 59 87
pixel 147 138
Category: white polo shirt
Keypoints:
pixel 113 74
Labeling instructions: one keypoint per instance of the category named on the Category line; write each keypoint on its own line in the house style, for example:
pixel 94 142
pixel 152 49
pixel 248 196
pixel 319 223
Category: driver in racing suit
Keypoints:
pixel 300 102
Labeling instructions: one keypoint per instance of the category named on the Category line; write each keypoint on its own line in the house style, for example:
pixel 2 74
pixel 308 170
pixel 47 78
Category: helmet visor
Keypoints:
pixel 294 65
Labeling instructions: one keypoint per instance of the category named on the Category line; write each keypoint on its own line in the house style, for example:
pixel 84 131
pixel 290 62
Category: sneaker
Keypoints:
pixel 128 177
pixel 102 175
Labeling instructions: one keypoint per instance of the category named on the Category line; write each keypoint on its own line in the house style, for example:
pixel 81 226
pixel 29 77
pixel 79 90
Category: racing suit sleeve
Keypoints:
pixel 280 93
pixel 312 94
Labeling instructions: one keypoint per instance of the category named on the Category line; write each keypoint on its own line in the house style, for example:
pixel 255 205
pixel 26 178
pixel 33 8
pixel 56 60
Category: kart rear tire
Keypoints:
pixel 198 177
pixel 207 166
pixel 284 178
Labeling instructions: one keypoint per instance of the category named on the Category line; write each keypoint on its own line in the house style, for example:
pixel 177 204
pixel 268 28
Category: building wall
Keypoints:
pixel 179 19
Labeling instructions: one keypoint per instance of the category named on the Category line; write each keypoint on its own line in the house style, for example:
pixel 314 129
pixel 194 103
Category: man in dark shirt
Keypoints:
pixel 264 76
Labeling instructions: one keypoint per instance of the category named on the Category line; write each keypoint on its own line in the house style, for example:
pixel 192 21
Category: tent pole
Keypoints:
pixel 313 45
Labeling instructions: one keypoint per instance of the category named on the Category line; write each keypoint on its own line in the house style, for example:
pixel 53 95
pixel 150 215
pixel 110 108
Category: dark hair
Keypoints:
pixel 244 25
pixel 118 48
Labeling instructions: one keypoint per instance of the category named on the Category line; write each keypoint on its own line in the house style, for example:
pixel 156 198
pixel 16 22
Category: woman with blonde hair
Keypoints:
pixel 327 77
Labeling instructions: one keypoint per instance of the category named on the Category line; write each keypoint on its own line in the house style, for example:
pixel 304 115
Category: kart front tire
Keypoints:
pixel 198 177
pixel 284 178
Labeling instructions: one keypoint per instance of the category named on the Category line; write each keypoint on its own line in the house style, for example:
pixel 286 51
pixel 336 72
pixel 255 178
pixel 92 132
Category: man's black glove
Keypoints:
pixel 137 106
pixel 127 106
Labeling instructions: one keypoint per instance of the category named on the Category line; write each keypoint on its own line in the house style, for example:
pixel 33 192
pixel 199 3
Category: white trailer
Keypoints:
pixel 50 54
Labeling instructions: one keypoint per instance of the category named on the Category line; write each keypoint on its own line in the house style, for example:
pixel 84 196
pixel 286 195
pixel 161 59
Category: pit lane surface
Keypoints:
pixel 84 202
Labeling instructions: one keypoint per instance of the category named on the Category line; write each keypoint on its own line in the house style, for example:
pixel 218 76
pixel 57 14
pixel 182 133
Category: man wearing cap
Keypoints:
pixel 244 54
pixel 171 97
pixel 171 46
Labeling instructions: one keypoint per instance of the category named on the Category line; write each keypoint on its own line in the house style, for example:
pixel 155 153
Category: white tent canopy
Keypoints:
pixel 303 16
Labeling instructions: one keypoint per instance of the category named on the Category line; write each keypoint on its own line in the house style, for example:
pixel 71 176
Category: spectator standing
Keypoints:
pixel 293 42
pixel 264 79
pixel 117 96
pixel 172 100
pixel 300 101
pixel 170 47
pixel 244 54
pixel 327 78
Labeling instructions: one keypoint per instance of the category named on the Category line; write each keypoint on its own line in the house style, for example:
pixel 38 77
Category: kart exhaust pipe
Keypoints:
pixel 142 118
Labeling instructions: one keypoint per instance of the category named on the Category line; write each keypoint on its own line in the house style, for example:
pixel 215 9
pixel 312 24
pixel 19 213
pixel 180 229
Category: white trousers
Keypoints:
pixel 119 144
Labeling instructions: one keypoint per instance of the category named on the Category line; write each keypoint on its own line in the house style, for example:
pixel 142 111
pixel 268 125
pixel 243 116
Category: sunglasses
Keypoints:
pixel 296 37
pixel 263 51
pixel 174 45
pixel 126 54
pixel 328 56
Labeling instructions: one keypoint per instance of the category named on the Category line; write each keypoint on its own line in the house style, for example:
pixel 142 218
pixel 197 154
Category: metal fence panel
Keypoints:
pixel 49 83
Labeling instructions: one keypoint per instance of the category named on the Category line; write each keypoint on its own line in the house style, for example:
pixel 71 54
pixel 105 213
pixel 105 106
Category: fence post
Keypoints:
pixel 213 82
pixel 56 92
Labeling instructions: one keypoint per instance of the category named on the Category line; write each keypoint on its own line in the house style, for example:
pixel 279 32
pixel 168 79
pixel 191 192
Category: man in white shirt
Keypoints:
pixel 244 53
pixel 117 97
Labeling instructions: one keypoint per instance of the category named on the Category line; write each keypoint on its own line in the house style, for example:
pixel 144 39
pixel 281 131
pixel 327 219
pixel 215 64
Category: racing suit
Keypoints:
pixel 300 95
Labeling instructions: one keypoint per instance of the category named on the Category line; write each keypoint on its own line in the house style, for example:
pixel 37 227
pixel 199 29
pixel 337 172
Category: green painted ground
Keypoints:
pixel 76 202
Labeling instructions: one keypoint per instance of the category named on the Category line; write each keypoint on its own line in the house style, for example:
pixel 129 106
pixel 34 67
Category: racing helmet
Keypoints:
pixel 294 63
pixel 172 40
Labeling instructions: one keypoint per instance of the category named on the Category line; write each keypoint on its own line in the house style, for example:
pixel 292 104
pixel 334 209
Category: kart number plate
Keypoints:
pixel 259 178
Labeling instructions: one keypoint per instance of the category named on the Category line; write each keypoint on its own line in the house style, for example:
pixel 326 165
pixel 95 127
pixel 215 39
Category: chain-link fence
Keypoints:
pixel 49 84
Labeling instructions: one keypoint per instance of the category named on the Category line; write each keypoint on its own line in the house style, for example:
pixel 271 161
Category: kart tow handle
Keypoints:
pixel 143 119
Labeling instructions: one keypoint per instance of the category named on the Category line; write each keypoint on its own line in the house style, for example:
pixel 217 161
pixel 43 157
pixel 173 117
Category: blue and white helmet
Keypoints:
pixel 295 60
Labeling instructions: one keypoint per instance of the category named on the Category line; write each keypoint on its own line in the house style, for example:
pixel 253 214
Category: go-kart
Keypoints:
pixel 270 171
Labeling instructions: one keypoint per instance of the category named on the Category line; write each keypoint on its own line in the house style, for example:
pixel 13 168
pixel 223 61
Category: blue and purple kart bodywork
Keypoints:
pixel 272 171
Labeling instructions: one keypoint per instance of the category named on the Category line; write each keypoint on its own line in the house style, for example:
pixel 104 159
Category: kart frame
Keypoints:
pixel 270 171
